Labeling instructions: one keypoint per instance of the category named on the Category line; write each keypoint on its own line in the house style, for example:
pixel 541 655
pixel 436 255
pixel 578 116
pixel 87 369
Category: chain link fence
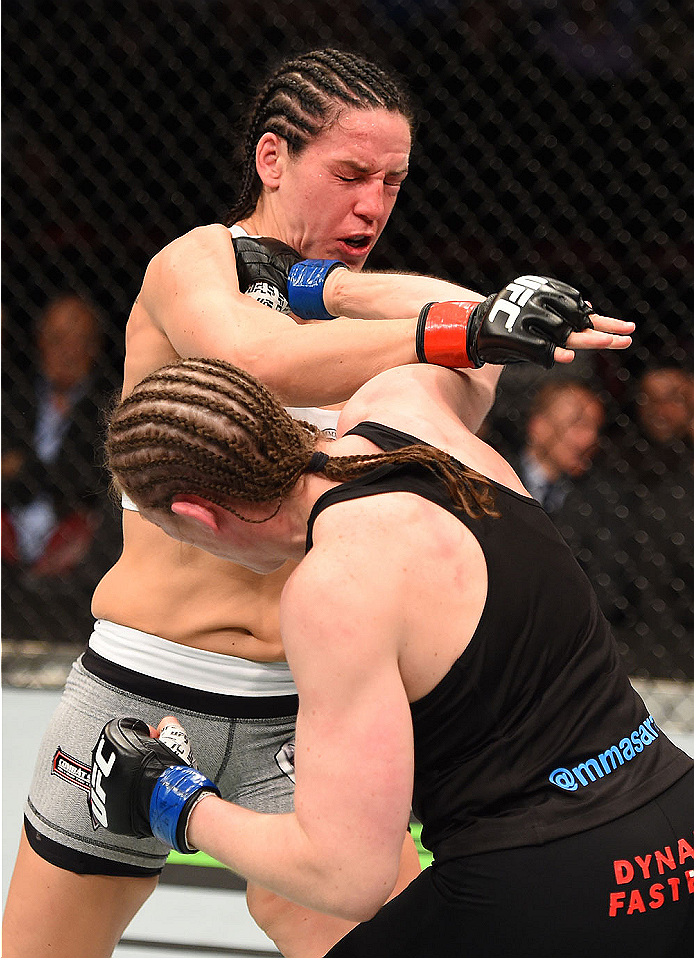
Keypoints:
pixel 552 139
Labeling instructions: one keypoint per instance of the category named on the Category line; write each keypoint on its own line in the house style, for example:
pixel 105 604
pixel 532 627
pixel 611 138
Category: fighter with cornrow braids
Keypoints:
pixel 207 426
pixel 459 654
pixel 325 152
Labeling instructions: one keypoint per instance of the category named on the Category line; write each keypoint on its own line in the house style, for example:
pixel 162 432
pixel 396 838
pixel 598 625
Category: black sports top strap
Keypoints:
pixel 388 477
pixel 385 437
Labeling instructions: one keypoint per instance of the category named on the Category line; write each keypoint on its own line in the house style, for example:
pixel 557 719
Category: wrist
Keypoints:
pixel 336 290
pixel 442 335
pixel 192 820
pixel 176 792
pixel 306 286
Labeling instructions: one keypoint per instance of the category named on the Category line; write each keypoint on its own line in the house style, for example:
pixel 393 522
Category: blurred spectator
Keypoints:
pixel 54 489
pixel 562 432
pixel 519 384
pixel 664 410
pixel 622 496
pixel 630 522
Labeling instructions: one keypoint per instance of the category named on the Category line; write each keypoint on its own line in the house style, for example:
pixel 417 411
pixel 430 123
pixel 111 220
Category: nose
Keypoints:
pixel 371 201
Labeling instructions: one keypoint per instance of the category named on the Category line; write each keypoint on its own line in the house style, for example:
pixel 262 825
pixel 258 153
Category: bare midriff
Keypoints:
pixel 185 595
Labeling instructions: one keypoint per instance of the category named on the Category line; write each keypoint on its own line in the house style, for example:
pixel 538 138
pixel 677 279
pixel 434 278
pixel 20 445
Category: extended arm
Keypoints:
pixel 388 295
pixel 191 295
pixel 340 850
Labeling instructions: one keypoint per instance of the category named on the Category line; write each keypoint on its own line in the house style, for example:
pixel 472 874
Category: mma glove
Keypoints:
pixel 306 282
pixel 139 786
pixel 275 275
pixel 525 322
pixel 262 266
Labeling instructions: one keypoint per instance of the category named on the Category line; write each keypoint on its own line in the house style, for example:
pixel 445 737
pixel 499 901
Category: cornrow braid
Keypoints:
pixel 203 427
pixel 301 99
pixel 469 490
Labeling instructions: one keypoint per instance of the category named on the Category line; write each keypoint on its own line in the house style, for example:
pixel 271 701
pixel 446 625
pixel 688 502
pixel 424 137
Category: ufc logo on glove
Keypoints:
pixel 101 769
pixel 514 296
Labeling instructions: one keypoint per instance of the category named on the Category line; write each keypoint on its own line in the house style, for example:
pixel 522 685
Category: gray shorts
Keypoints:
pixel 243 743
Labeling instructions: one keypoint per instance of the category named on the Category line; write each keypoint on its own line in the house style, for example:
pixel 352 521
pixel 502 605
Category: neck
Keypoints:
pixel 263 221
pixel 298 505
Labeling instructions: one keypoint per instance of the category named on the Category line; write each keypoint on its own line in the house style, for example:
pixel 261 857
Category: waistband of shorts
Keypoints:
pixel 150 655
pixel 174 698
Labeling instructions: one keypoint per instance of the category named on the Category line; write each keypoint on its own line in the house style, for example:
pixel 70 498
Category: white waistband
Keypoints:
pixel 193 668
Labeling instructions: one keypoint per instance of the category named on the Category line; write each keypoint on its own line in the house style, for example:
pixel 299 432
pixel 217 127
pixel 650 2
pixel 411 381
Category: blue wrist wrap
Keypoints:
pixel 305 285
pixel 171 791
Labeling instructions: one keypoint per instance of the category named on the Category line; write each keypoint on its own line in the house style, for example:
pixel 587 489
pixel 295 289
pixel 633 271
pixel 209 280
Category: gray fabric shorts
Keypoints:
pixel 243 743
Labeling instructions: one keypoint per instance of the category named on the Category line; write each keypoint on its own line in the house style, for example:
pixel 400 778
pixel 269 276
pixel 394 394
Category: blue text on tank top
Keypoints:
pixel 591 769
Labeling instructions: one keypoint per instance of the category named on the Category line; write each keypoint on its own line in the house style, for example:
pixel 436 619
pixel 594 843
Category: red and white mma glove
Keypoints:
pixel 140 787
pixel 525 322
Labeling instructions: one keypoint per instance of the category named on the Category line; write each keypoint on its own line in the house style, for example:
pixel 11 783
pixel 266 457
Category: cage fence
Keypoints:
pixel 553 138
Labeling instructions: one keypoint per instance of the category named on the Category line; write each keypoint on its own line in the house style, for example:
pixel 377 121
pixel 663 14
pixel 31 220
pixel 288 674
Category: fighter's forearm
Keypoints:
pixel 323 363
pixel 387 295
pixel 275 852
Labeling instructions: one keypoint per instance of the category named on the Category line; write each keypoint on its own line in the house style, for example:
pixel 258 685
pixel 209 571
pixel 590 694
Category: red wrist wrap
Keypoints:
pixel 445 334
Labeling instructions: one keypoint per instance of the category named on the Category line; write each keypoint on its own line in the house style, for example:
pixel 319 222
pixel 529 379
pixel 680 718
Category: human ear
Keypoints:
pixel 269 159
pixel 196 511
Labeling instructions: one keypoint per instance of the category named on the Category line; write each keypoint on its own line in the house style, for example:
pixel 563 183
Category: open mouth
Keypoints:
pixel 357 243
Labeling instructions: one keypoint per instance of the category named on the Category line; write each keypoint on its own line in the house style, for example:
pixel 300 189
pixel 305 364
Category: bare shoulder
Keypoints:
pixel 351 539
pixel 342 595
pixel 202 240
pixel 189 271
pixel 411 398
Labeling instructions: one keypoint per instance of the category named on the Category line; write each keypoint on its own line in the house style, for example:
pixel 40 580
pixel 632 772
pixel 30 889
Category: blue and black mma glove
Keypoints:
pixel 275 275
pixel 262 266
pixel 305 285
pixel 525 322
pixel 139 786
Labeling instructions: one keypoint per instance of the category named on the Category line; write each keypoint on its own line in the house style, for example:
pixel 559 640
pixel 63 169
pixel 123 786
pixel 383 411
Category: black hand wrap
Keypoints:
pixel 127 767
pixel 525 322
pixel 262 265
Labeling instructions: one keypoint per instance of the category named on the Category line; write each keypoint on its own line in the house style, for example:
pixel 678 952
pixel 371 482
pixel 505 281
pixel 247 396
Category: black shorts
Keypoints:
pixel 618 891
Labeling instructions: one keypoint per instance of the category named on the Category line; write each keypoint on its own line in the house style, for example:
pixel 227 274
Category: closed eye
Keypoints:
pixel 355 179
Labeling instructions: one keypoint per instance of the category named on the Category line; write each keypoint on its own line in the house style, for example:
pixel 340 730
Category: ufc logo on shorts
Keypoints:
pixel 101 769
pixel 515 296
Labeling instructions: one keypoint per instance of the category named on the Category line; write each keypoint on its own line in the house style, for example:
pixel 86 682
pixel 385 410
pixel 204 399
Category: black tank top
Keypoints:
pixel 535 733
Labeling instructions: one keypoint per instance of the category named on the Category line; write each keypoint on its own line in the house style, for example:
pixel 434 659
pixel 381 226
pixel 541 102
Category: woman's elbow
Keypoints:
pixel 361 896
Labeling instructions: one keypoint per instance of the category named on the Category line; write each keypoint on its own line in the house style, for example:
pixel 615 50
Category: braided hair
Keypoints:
pixel 301 99
pixel 204 427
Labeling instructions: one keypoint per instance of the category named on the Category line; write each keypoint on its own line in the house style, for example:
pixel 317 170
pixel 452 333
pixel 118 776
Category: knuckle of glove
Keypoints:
pixel 568 304
pixel 279 251
pixel 263 260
